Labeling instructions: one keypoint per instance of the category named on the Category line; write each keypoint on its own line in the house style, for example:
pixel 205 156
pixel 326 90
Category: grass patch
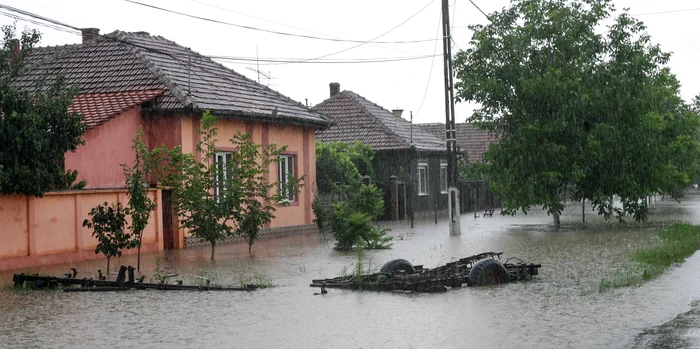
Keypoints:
pixel 671 246
pixel 259 280
pixel 10 287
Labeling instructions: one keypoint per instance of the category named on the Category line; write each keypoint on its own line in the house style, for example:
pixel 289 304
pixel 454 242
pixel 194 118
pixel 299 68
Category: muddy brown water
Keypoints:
pixel 560 308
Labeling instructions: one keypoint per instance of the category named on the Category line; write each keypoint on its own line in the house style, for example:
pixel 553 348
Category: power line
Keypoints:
pixel 294 27
pixel 35 22
pixel 271 31
pixel 430 73
pixel 365 42
pixel 482 12
pixel 665 12
pixel 33 15
pixel 339 61
pixel 74 30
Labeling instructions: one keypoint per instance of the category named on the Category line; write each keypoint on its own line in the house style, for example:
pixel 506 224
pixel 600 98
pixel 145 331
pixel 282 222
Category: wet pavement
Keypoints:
pixel 560 308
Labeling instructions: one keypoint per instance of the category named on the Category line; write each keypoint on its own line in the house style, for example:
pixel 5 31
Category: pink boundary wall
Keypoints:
pixel 48 230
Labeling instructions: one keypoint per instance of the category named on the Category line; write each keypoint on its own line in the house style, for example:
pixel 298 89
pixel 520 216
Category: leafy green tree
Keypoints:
pixel 258 200
pixel 469 171
pixel 109 227
pixel 227 194
pixel 351 221
pixel 36 129
pixel 368 200
pixel 140 204
pixel 575 104
pixel 340 166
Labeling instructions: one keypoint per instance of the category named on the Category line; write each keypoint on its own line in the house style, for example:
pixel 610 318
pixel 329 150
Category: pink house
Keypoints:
pixel 135 80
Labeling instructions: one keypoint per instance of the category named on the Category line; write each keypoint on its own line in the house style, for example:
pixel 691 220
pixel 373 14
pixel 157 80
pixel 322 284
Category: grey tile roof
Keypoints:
pixel 356 118
pixel 121 62
pixel 474 141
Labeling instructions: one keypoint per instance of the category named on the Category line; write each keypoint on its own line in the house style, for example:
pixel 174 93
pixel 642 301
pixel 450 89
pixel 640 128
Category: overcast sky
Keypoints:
pixel 400 84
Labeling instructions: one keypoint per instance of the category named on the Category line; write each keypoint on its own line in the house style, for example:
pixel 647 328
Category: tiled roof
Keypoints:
pixel 356 118
pixel 98 108
pixel 126 62
pixel 474 141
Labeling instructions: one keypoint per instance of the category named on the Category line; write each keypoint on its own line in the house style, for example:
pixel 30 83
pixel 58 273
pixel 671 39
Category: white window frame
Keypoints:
pixel 219 157
pixel 284 167
pixel 443 178
pixel 423 188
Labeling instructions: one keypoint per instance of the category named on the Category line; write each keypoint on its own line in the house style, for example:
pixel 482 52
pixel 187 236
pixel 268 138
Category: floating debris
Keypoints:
pixel 400 275
pixel 125 281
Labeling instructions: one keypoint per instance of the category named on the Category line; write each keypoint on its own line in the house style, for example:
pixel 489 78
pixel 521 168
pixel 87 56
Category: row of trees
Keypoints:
pixel 577 105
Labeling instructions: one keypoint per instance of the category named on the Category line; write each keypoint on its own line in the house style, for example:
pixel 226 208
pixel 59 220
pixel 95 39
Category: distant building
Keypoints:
pixel 410 163
pixel 470 139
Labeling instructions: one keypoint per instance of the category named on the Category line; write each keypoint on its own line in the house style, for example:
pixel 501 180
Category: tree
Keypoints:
pixel 350 221
pixel 36 129
pixel 340 166
pixel 108 224
pixel 573 106
pixel 140 205
pixel 226 193
pixel 258 201
pixel 469 171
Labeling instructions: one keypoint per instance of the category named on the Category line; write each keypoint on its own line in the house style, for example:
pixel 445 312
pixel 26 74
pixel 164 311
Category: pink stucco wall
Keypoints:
pixel 106 147
pixel 109 145
pixel 48 230
pixel 292 137
pixel 13 220
pixel 299 212
pixel 163 130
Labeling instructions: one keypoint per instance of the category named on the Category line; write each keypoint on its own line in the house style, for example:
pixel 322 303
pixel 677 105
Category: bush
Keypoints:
pixel 340 166
pixel 368 200
pixel 321 214
pixel 109 227
pixel 352 228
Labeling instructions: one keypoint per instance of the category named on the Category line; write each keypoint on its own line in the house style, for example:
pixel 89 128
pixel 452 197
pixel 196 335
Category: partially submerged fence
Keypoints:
pixel 477 196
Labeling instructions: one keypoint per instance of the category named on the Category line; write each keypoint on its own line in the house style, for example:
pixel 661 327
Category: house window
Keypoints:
pixel 422 179
pixel 285 170
pixel 222 161
pixel 443 178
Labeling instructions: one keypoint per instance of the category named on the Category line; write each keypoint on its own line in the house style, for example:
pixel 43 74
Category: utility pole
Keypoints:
pixel 450 131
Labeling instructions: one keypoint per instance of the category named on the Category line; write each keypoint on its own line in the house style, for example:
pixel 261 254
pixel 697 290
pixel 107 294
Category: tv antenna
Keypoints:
pixel 267 75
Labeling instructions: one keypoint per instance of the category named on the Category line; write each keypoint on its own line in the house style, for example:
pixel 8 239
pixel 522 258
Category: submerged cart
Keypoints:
pixel 400 275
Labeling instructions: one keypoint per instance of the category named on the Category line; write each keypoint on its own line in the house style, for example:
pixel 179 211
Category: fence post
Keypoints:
pixel 394 192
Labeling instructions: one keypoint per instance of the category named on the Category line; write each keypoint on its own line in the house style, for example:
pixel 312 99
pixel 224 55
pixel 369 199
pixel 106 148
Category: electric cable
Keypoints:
pixel 430 73
pixel 272 31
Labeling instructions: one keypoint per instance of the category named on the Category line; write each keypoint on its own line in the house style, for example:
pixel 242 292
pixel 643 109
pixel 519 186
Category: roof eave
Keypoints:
pixel 238 115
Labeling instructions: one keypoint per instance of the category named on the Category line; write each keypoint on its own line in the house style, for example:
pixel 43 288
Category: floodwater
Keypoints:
pixel 560 308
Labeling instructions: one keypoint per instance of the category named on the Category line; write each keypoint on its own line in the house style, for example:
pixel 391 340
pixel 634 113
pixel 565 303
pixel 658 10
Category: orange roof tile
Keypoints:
pixel 98 108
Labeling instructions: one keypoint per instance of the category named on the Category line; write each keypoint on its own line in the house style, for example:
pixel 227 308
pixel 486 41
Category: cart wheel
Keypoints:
pixel 488 272
pixel 395 265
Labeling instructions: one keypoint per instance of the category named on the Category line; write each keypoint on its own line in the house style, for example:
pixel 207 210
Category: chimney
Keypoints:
pixel 397 112
pixel 14 50
pixel 90 35
pixel 335 88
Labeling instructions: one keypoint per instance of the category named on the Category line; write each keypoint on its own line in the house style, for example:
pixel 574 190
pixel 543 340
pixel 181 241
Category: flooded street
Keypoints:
pixel 560 308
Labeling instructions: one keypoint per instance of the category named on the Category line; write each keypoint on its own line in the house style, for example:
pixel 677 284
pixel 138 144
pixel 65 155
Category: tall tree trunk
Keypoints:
pixel 213 246
pixel 107 273
pixel 250 247
pixel 610 209
pixel 583 210
pixel 557 221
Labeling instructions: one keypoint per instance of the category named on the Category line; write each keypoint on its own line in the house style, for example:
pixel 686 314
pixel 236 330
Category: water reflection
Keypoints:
pixel 560 308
